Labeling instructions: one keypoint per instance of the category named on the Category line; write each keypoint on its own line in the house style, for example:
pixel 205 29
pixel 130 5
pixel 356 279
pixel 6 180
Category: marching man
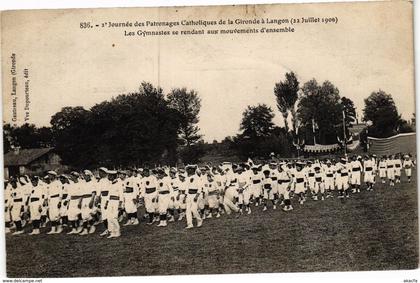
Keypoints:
pixel 54 196
pixel 390 170
pixel 89 193
pixel 8 202
pixel 369 178
pixel 131 192
pixel 243 189
pixel 330 175
pixel 319 182
pixel 256 184
pixel 284 184
pixel 382 167
pixel 149 193
pixel 74 194
pixel 398 168
pixel 408 164
pixel 103 191
pixel 343 170
pixel 113 204
pixel 213 193
pixel 164 196
pixel 194 192
pixel 300 180
pixel 356 171
pixel 17 208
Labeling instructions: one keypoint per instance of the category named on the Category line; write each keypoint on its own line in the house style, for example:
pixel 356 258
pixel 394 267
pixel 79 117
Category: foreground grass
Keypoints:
pixel 369 231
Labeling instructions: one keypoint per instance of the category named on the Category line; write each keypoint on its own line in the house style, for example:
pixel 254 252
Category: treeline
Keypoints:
pixel 313 113
pixel 130 130
pixel 149 126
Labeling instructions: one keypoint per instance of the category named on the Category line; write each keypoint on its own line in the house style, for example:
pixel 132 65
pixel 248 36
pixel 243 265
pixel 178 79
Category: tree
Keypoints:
pixel 72 136
pixel 259 136
pixel 319 108
pixel 45 137
pixel 405 127
pixel 381 110
pixel 257 121
pixel 347 106
pixel 8 141
pixel 286 93
pixel 349 110
pixel 136 128
pixel 26 136
pixel 188 104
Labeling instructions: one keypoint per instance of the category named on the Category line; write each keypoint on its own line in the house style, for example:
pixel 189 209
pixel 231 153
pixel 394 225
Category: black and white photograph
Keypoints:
pixel 229 139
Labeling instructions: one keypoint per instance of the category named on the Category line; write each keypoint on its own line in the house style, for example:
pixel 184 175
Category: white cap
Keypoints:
pixel 103 169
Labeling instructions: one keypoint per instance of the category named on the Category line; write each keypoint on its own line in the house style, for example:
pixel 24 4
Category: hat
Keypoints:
pixel 103 169
pixel 74 173
pixel 265 172
pixel 112 172
pixel 300 163
pixel 160 171
pixel 64 176
pixel 191 166
pixel 51 172
pixel 87 172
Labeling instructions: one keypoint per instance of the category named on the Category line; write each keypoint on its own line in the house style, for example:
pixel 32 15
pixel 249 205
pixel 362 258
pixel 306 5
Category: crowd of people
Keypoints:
pixel 78 202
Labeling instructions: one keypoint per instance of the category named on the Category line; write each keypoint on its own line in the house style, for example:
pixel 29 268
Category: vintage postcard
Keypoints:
pixel 209 139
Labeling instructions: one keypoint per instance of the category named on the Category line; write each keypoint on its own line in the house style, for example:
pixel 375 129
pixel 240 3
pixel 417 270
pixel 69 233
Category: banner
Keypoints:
pixel 321 147
pixel 404 143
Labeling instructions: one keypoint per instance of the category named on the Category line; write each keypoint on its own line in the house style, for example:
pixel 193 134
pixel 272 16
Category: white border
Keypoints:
pixel 342 277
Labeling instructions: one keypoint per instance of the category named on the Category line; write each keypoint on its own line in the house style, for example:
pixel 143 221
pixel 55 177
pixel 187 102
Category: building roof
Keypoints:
pixel 24 156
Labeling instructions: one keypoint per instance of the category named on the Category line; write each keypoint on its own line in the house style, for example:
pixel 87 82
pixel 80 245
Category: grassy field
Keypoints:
pixel 369 231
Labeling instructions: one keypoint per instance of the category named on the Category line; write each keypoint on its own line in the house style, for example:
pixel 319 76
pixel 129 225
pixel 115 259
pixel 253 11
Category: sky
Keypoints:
pixel 370 48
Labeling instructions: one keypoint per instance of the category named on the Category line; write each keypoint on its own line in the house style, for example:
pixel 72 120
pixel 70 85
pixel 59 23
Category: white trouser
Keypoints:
pixel 34 209
pixel 192 209
pixel 342 182
pixel 229 205
pixel 113 225
pixel 391 173
pixel 213 201
pixel 73 210
pixel 355 178
pixel 163 203
pixel 244 197
pixel 382 172
pixel 86 210
pixel 329 183
pixel 150 206
pixel 54 211
pixel 368 177
pixel 129 205
pixel 16 211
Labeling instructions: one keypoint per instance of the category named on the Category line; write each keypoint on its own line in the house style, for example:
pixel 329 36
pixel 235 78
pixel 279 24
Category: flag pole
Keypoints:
pixel 344 132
